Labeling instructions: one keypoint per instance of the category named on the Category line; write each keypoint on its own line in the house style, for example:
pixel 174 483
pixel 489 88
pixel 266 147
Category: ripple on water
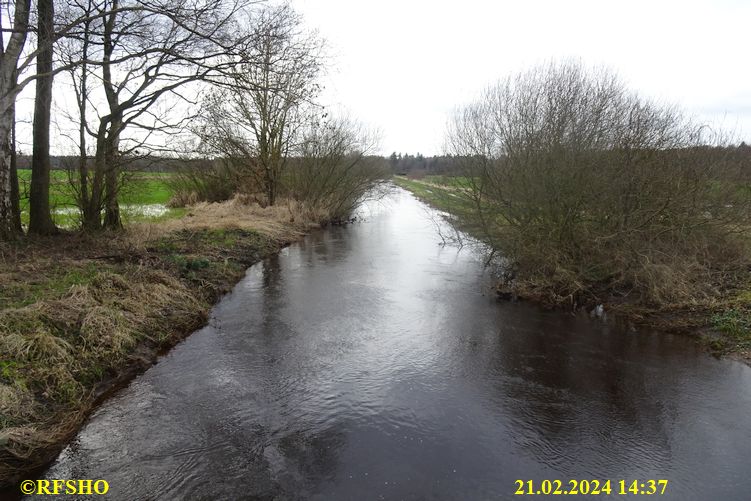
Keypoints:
pixel 369 361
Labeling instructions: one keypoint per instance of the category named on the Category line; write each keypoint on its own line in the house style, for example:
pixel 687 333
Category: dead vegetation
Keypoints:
pixel 79 315
pixel 595 195
pixel 285 220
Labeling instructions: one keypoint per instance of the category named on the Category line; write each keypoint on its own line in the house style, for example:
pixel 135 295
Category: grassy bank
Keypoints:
pixel 723 322
pixel 440 196
pixel 79 314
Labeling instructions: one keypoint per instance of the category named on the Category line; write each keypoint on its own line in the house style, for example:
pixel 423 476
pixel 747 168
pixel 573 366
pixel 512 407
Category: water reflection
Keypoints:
pixel 369 362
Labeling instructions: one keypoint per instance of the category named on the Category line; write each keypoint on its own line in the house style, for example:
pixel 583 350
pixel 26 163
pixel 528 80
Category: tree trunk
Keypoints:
pixel 92 212
pixel 112 219
pixel 8 216
pixel 40 220
pixel 14 189
pixel 83 96
pixel 15 195
pixel 10 226
pixel 92 216
pixel 10 212
pixel 112 209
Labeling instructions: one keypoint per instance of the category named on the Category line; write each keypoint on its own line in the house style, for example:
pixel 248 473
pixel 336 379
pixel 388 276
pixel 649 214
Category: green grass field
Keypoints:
pixel 451 181
pixel 142 197
pixel 446 199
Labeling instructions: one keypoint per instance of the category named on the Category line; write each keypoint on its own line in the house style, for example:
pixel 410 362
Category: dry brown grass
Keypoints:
pixel 78 312
pixel 57 351
pixel 285 221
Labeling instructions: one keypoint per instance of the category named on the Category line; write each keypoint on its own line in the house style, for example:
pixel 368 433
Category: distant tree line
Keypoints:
pixel 405 164
pixel 419 165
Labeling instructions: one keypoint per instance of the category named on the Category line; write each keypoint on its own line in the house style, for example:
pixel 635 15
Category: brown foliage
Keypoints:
pixel 589 190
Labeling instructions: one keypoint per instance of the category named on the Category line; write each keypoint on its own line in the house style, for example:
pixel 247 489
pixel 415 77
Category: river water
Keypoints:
pixel 368 362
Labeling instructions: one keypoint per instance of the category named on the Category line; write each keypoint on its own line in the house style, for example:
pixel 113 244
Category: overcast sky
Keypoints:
pixel 401 66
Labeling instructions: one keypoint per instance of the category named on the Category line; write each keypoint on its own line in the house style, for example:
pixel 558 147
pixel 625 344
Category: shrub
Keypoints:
pixel 589 189
pixel 332 173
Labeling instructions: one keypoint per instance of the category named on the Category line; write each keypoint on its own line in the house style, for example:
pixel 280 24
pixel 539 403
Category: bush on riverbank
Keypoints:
pixel 595 194
pixel 332 173
pixel 329 173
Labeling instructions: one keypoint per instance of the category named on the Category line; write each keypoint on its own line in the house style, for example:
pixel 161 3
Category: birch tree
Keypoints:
pixel 15 29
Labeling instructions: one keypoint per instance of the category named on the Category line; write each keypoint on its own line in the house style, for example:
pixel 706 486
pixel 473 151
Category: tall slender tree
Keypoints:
pixel 40 219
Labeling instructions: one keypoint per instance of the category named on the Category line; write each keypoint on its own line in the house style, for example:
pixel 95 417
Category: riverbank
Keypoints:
pixel 80 315
pixel 722 324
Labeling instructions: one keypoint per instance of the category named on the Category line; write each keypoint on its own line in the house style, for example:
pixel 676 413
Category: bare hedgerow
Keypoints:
pixel 587 187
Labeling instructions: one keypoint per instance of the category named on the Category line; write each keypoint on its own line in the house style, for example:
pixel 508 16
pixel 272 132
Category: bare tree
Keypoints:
pixel 135 60
pixel 14 62
pixel 255 119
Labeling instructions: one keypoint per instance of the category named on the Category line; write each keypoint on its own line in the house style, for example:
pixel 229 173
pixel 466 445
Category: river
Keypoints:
pixel 369 362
